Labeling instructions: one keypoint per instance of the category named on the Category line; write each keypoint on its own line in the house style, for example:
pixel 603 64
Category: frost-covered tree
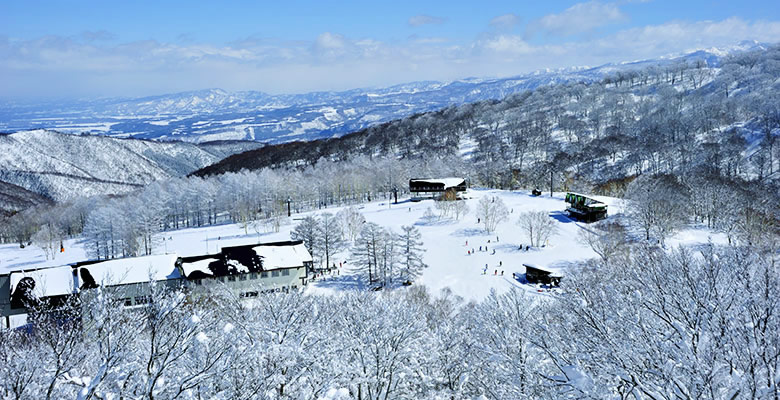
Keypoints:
pixel 660 205
pixel 352 221
pixel 48 238
pixel 607 240
pixel 460 209
pixel 538 226
pixel 331 238
pixel 491 211
pixel 367 250
pixel 309 230
pixel 410 253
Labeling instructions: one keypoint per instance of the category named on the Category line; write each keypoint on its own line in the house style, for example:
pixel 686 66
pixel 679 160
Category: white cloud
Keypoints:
pixel 419 20
pixel 94 36
pixel 506 44
pixel 62 66
pixel 506 21
pixel 579 18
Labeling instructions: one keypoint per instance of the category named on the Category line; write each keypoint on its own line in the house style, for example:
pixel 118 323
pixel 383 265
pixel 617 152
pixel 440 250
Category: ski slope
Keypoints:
pixel 450 265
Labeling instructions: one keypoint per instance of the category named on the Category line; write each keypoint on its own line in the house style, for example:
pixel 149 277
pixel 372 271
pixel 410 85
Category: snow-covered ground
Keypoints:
pixel 445 240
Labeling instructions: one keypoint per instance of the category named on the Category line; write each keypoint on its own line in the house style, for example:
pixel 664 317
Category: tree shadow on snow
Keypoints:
pixel 510 248
pixel 21 264
pixel 466 232
pixel 239 236
pixel 561 217
pixel 340 282
pixel 434 222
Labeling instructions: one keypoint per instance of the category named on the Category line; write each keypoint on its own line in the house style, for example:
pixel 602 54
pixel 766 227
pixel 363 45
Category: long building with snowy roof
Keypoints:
pixel 430 188
pixel 247 270
pixel 252 269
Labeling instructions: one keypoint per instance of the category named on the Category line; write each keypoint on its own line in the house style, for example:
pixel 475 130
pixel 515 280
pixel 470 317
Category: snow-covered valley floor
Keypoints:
pixel 445 241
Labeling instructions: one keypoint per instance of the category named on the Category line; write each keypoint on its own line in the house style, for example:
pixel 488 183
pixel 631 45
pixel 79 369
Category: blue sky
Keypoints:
pixel 133 48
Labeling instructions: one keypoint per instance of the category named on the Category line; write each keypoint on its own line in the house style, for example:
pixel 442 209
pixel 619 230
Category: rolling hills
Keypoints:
pixel 60 166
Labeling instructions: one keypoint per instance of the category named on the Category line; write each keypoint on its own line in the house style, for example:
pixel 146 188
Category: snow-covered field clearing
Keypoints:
pixel 445 241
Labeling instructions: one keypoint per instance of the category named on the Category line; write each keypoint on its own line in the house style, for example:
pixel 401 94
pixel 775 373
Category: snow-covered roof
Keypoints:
pixel 134 270
pixel 200 265
pixel 447 182
pixel 552 272
pixel 285 256
pixel 55 281
pixel 591 200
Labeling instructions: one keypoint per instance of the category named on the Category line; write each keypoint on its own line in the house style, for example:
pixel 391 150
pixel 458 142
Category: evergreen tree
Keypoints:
pixel 411 252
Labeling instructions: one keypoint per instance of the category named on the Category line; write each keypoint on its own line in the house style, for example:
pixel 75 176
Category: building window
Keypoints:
pixel 127 302
pixel 232 278
pixel 274 274
pixel 248 294
pixel 286 272
pixel 242 277
pixel 264 274
pixel 294 286
pixel 142 300
pixel 197 282
pixel 253 275
pixel 221 278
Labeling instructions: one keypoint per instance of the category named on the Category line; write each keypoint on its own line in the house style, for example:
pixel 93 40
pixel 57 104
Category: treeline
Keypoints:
pixel 129 225
pixel 642 324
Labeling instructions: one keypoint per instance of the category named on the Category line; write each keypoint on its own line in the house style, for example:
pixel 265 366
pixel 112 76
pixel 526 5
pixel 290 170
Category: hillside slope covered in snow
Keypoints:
pixel 61 167
pixel 15 198
pixel 628 123
pixel 447 241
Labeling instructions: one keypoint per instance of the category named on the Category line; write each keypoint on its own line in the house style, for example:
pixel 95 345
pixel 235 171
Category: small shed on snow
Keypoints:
pixel 536 274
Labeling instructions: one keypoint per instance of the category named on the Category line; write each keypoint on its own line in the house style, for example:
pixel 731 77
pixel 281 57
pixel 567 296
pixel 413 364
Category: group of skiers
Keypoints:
pixel 484 271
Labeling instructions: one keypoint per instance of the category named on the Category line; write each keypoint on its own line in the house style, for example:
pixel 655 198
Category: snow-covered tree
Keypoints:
pixel 491 211
pixel 411 252
pixel 352 221
pixel 331 238
pixel 366 250
pixel 538 226
pixel 660 205
pixel 48 238
pixel 460 209
pixel 309 230
pixel 608 240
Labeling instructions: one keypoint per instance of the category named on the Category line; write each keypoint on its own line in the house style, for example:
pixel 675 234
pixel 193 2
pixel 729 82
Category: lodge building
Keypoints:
pixel 247 271
pixel 435 188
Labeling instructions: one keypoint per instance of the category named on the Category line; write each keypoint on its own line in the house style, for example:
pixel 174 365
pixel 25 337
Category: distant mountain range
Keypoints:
pixel 214 114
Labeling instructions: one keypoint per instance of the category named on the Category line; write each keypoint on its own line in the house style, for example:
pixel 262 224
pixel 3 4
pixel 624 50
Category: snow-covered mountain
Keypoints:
pixel 215 114
pixel 60 166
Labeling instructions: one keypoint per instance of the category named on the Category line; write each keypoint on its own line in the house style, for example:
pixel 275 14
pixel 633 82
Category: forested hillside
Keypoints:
pixel 14 199
pixel 63 167
pixel 681 118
